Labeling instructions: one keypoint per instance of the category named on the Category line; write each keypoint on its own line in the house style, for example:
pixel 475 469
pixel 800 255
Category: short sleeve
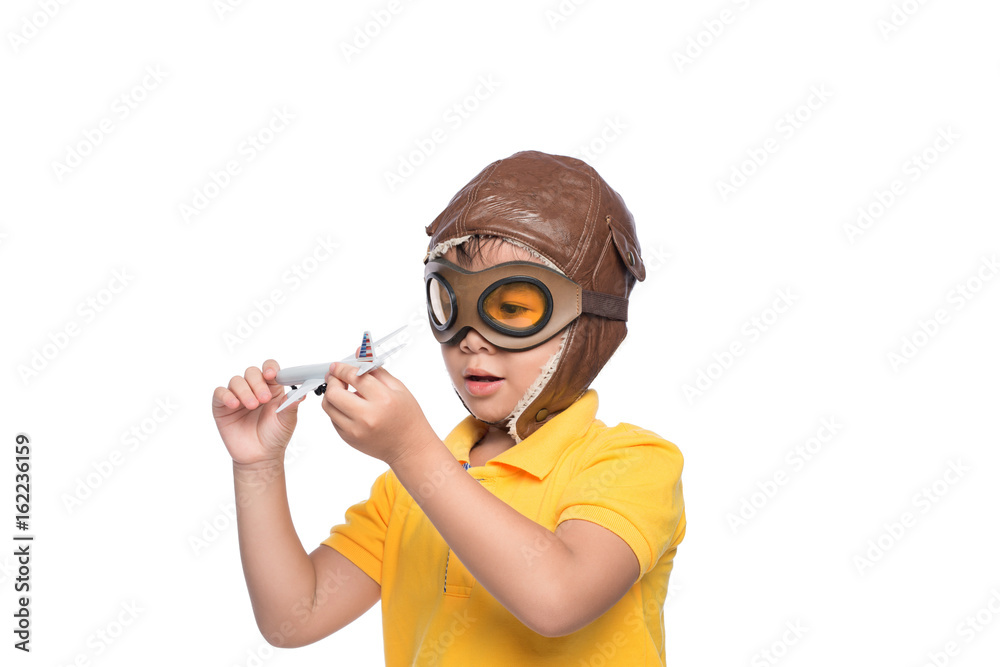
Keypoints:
pixel 362 537
pixel 630 483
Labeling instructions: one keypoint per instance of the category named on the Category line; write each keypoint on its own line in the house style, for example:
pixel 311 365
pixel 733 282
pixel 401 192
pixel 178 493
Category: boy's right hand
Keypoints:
pixel 247 418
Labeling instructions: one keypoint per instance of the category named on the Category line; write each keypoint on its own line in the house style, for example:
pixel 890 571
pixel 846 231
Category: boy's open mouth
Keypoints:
pixel 480 383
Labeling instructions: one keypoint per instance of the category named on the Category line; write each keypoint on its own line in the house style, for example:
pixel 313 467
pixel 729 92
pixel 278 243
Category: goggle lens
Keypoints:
pixel 517 306
pixel 440 301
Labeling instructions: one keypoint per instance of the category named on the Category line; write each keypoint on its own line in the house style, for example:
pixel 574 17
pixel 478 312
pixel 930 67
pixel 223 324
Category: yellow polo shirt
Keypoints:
pixel 624 478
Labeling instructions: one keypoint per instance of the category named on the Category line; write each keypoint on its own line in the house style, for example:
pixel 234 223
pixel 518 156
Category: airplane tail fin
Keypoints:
pixel 366 353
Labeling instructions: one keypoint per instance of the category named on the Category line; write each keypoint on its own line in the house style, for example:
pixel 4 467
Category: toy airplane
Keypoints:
pixel 303 379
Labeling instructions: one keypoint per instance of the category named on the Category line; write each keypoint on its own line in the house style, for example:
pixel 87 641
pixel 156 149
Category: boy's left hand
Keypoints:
pixel 381 418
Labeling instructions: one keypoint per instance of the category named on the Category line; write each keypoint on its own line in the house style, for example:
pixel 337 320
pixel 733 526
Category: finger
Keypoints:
pixel 337 416
pixel 239 386
pixel 270 369
pixel 349 374
pixel 338 397
pixel 386 378
pixel 257 384
pixel 223 399
pixel 334 381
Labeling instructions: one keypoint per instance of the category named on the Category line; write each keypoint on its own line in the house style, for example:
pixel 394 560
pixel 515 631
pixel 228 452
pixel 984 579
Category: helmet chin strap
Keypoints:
pixel 535 390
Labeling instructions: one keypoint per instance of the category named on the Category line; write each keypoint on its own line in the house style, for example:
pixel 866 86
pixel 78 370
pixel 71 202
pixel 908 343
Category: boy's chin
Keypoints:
pixel 491 416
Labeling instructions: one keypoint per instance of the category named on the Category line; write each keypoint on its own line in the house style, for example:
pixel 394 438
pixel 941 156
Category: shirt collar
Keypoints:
pixel 537 453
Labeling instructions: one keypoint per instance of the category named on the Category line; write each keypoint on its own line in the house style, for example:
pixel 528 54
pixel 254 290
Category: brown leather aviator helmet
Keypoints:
pixel 563 210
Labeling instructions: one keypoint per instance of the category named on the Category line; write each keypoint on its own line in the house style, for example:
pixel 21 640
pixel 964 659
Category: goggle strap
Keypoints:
pixel 605 305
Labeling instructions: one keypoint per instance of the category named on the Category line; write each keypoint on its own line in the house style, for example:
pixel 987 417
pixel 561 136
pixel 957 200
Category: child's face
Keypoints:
pixel 491 380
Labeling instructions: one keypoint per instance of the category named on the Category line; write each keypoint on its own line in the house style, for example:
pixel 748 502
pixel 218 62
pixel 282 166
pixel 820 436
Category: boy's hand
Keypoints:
pixel 246 416
pixel 381 418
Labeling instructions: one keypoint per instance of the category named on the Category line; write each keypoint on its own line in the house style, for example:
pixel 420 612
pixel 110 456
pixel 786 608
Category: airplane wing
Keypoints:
pixel 394 333
pixel 302 390
pixel 388 353
pixel 379 360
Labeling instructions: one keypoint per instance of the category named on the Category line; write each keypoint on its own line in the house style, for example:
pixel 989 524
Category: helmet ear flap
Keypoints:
pixel 590 342
pixel 529 414
pixel 628 249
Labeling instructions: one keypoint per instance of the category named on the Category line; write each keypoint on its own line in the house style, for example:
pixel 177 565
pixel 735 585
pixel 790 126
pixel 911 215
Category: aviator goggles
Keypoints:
pixel 514 305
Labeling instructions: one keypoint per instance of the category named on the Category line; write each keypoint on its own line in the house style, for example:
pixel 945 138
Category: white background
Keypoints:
pixel 602 77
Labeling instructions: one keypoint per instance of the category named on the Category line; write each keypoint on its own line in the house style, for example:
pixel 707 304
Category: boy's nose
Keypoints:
pixel 473 342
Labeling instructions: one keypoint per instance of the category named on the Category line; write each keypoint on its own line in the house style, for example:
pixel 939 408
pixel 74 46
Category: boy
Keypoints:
pixel 533 534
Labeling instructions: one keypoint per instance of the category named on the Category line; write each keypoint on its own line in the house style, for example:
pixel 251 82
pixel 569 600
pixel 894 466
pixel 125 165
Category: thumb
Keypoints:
pixel 289 413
